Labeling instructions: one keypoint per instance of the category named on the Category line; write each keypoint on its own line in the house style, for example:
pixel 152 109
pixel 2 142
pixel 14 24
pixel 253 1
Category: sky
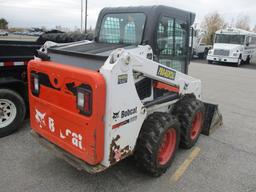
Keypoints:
pixel 49 13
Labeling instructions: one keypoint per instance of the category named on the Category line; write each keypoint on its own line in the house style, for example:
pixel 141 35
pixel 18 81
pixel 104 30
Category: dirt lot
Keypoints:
pixel 222 162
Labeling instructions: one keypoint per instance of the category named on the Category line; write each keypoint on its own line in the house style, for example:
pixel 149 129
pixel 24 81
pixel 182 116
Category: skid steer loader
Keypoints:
pixel 126 93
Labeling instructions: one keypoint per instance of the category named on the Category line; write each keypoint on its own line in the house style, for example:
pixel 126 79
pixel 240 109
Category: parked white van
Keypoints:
pixel 232 46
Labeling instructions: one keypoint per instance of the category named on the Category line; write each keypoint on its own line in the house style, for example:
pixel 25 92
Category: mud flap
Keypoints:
pixel 213 119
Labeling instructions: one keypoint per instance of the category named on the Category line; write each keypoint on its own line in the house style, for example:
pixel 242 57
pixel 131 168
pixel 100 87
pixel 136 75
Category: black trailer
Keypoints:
pixel 14 57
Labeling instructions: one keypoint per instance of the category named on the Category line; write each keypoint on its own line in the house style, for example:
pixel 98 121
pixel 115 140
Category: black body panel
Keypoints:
pixel 17 50
pixel 152 13
pixel 91 55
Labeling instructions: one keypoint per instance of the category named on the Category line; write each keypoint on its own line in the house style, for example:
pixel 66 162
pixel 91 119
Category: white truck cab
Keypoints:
pixel 232 45
pixel 199 49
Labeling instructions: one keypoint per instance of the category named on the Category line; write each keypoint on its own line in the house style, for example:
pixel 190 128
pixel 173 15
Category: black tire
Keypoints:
pixel 206 50
pixel 149 142
pixel 187 110
pixel 240 61
pixel 201 55
pixel 16 101
pixel 61 37
pixel 248 60
pixel 204 54
pixel 210 62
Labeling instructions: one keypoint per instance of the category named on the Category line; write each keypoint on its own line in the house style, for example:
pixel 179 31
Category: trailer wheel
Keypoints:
pixel 190 113
pixel 157 143
pixel 12 111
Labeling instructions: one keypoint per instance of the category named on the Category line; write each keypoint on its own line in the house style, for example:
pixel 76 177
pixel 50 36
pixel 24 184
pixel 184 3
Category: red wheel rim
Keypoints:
pixel 167 146
pixel 196 125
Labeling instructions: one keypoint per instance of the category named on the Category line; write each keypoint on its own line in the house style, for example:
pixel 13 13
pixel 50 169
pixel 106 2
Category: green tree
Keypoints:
pixel 3 24
pixel 212 23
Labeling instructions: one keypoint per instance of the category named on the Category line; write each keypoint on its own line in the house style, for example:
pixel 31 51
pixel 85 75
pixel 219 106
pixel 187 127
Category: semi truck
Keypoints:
pixel 232 46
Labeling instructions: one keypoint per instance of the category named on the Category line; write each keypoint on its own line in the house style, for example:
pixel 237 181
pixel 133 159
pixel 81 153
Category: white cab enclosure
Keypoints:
pixel 232 46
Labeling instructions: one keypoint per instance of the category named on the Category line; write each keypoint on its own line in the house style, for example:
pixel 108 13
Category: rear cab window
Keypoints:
pixel 126 28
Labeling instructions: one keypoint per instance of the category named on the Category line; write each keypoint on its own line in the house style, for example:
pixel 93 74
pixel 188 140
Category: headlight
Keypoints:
pixel 210 52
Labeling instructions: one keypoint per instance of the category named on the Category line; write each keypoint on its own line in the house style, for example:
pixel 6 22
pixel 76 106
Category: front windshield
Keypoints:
pixel 229 39
pixel 126 28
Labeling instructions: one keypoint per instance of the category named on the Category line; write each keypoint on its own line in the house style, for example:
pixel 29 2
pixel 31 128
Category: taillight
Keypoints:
pixel 84 100
pixel 34 84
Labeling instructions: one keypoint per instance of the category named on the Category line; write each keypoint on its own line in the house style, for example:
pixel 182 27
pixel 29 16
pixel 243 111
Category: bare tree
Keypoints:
pixel 243 22
pixel 211 23
pixel 254 29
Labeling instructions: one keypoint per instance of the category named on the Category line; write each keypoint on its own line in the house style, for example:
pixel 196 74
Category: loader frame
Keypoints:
pixel 132 85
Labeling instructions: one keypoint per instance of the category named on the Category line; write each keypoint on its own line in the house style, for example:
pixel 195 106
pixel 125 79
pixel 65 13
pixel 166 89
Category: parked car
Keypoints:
pixel 3 33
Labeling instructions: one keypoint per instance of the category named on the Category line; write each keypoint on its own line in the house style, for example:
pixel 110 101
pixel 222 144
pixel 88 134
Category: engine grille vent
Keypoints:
pixel 221 52
pixel 144 88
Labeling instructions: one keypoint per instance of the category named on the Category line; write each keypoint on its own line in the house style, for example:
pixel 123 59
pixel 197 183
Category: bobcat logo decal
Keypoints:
pixel 40 118
pixel 116 115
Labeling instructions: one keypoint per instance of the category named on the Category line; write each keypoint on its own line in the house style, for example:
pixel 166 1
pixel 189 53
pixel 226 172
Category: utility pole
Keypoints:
pixel 82 16
pixel 85 18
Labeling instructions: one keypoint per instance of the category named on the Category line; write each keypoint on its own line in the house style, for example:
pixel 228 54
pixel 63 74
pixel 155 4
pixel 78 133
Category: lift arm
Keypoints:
pixel 156 71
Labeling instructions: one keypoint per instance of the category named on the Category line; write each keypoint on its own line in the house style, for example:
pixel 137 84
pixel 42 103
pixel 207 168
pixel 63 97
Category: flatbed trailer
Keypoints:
pixel 14 57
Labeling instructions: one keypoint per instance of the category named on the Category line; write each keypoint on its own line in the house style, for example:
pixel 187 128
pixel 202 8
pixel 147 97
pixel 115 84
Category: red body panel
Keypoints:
pixel 159 85
pixel 54 114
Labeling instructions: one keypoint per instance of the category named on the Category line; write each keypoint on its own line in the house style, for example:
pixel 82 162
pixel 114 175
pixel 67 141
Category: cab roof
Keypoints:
pixel 152 11
pixel 235 31
pixel 152 15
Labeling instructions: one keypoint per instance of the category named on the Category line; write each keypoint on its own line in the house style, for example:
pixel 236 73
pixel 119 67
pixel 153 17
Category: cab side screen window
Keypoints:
pixel 165 36
pixel 172 45
pixel 180 38
pixel 130 33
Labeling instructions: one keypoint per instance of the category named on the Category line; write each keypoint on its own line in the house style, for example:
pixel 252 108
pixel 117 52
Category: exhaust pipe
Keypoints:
pixel 213 119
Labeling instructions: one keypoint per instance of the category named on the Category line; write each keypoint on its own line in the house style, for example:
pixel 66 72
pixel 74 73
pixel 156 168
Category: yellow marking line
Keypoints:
pixel 184 166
